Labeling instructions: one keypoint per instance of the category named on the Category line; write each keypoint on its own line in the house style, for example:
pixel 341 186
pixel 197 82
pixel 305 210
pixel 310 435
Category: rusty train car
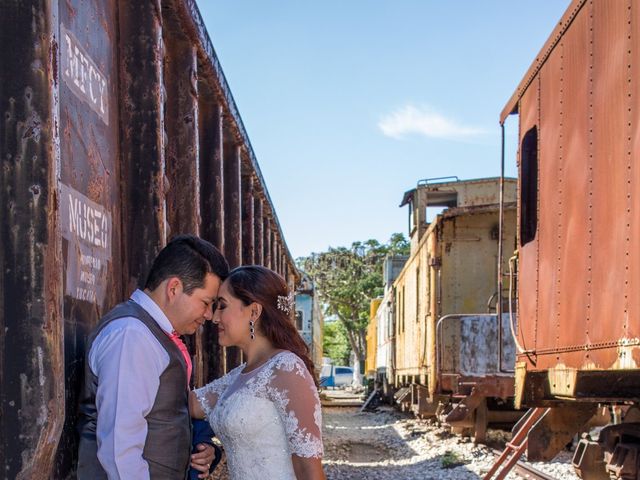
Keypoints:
pixel 118 131
pixel 450 351
pixel 576 272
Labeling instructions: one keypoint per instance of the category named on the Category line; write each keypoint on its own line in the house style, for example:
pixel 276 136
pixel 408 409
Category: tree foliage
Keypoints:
pixel 335 343
pixel 348 279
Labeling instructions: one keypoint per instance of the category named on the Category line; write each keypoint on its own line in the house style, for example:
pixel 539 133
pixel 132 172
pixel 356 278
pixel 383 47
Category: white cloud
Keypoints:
pixel 424 121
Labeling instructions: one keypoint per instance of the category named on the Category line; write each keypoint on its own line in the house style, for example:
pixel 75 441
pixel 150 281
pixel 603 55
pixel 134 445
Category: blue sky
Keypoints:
pixel 349 103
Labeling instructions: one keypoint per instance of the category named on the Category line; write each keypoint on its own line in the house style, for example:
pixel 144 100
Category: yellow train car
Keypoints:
pixel 372 340
pixel 452 270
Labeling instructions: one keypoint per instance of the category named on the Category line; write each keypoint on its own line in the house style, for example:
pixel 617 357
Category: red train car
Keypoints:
pixel 578 251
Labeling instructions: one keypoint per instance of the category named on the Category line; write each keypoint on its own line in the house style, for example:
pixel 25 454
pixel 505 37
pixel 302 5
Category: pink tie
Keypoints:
pixel 185 353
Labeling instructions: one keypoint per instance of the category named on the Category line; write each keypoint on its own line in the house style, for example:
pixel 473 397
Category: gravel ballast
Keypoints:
pixel 388 444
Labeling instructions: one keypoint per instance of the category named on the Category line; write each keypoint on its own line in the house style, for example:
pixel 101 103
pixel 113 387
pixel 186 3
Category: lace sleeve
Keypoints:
pixel 292 390
pixel 208 395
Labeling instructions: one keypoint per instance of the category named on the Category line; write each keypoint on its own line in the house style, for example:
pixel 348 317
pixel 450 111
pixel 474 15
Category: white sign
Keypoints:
pixel 87 228
pixel 82 75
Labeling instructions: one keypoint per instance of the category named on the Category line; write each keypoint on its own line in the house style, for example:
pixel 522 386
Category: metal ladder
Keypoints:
pixel 517 445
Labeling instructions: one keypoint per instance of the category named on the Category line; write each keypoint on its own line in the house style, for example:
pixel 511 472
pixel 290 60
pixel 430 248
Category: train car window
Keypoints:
pixel 529 186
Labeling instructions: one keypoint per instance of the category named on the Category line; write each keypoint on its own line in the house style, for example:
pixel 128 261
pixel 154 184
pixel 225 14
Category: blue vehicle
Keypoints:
pixel 336 376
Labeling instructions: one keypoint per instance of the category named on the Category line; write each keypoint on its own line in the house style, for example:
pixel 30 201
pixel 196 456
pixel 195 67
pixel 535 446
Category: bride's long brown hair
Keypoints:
pixel 255 283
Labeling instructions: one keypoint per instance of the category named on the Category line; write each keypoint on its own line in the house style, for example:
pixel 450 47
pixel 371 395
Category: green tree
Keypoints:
pixel 335 343
pixel 348 279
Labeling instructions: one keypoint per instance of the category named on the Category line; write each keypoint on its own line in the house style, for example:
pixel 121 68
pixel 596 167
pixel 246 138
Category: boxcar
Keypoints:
pixel 385 322
pixel 118 131
pixel 452 270
pixel 578 248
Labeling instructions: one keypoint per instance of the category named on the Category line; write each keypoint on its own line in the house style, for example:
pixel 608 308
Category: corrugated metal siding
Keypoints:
pixel 119 131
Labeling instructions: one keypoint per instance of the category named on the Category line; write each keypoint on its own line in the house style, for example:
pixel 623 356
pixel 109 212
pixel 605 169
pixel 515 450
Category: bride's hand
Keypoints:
pixel 201 461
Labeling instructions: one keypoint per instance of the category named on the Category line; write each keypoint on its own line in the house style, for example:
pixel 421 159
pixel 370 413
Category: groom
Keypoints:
pixel 134 417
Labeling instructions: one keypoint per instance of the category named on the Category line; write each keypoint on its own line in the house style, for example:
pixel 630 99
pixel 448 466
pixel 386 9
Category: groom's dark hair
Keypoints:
pixel 189 258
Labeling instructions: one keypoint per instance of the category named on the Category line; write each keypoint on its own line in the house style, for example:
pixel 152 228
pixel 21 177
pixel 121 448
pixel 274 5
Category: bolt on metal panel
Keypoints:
pixel 609 187
pixel 574 241
pixel 550 192
pixel 633 76
pixel 527 283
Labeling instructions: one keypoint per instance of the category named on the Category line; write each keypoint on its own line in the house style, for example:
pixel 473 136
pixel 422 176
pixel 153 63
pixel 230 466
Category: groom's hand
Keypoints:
pixel 201 461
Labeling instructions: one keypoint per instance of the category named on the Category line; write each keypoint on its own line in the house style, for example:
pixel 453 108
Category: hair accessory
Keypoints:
pixel 285 302
pixel 252 331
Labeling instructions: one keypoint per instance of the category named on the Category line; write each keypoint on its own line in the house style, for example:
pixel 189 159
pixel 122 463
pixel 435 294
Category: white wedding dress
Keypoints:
pixel 264 416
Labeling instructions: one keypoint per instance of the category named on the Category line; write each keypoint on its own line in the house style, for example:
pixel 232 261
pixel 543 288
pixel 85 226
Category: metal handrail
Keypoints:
pixel 428 181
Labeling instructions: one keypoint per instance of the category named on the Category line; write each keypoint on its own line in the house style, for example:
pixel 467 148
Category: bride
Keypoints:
pixel 266 412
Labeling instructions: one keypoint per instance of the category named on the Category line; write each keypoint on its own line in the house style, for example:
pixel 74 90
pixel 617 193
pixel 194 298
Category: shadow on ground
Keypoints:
pixel 431 469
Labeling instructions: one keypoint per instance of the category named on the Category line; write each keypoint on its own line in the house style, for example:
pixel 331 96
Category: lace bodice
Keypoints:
pixel 265 416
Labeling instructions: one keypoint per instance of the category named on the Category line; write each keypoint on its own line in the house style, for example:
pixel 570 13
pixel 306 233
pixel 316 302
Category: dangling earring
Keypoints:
pixel 251 329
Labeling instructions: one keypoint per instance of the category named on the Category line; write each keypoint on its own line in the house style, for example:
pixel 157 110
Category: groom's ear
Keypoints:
pixel 173 288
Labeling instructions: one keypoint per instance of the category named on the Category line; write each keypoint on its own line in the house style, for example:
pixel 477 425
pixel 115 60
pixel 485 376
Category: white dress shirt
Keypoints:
pixel 128 361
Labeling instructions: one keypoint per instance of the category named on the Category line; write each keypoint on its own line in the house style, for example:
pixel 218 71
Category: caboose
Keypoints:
pixel 576 272
pixel 451 349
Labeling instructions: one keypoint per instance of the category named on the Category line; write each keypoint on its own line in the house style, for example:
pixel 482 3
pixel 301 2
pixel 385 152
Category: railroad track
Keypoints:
pixel 527 471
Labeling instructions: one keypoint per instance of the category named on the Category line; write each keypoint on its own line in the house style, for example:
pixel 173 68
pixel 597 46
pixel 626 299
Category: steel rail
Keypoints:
pixel 526 470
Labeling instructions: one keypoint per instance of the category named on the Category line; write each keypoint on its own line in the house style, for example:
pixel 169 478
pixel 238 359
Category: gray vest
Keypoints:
pixel 168 443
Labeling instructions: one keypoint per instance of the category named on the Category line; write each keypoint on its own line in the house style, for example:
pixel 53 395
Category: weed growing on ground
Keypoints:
pixel 451 460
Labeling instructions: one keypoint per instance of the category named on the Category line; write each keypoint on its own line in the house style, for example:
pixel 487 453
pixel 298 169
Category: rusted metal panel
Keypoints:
pixel 248 237
pixel 193 23
pixel 550 194
pixel 574 247
pixel 181 124
pixel 142 136
pixel 90 195
pixel 555 429
pixel 267 241
pixel 258 226
pixel 609 187
pixel 31 317
pixel 211 168
pixel 233 206
pixel 633 73
pixel 527 283
pixel 212 214
pixel 588 138
pixel 114 118
pixel 513 104
pixel 275 260
pixel 467 345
